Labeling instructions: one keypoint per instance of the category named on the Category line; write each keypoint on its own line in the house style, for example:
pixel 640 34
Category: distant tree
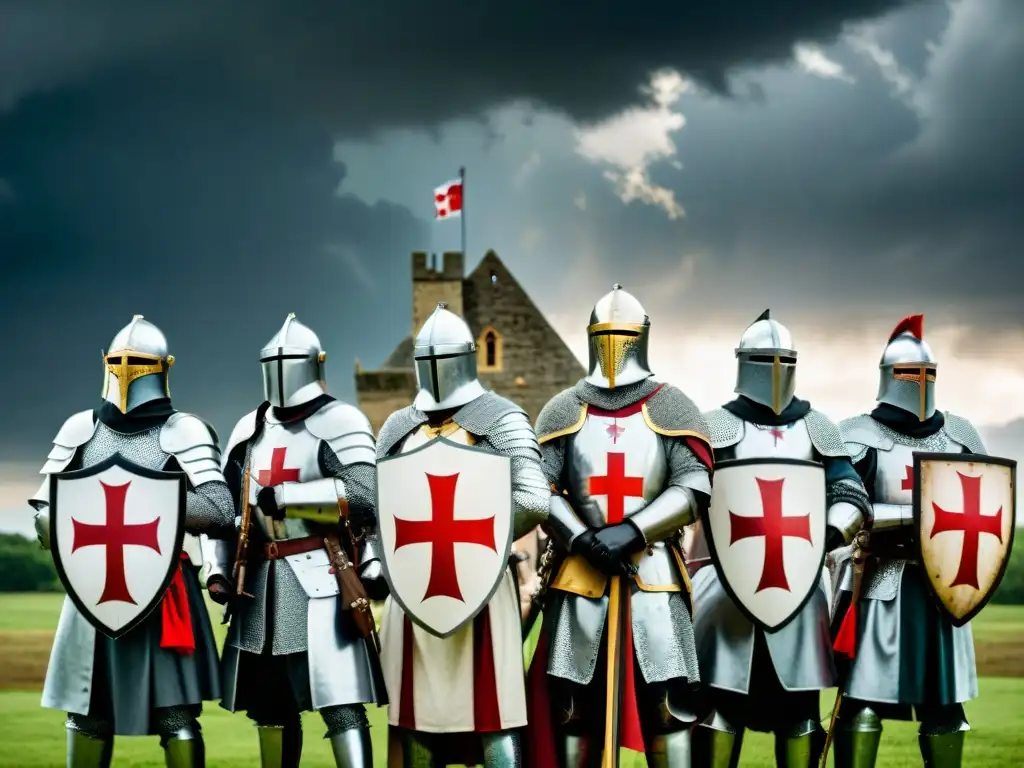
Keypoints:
pixel 25 566
pixel 1011 589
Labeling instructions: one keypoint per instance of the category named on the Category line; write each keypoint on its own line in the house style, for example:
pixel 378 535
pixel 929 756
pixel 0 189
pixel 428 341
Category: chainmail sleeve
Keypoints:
pixel 685 469
pixel 360 481
pixel 552 458
pixel 513 436
pixel 210 510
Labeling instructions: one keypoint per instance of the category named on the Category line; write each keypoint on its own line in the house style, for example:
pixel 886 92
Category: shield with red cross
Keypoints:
pixel 965 515
pixel 445 518
pixel 766 534
pixel 116 532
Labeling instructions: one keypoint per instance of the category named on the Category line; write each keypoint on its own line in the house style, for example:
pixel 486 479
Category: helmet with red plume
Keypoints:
pixel 907 369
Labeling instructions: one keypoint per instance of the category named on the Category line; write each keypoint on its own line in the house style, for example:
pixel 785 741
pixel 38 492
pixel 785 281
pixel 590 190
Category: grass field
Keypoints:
pixel 33 737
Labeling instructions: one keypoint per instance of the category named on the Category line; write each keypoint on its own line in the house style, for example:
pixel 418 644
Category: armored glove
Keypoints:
pixel 372 576
pixel 267 501
pixel 622 540
pixel 219 589
pixel 597 554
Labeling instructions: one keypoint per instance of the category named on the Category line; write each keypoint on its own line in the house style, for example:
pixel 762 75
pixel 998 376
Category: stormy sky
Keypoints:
pixel 216 166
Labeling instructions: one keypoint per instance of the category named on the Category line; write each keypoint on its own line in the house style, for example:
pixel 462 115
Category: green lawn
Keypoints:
pixel 34 736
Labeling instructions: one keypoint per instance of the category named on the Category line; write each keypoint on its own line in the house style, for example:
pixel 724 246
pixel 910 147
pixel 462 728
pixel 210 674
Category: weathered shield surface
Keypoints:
pixel 445 517
pixel 965 512
pixel 766 533
pixel 116 535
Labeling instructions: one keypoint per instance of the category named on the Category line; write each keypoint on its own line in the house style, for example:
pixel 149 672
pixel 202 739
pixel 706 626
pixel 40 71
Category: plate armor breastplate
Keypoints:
pixel 615 466
pixel 286 453
pixel 786 441
pixel 894 481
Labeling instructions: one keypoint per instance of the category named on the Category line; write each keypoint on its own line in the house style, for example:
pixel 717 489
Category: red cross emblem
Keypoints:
pixel 443 532
pixel 617 487
pixel 973 523
pixel 774 527
pixel 277 473
pixel 115 536
pixel 614 430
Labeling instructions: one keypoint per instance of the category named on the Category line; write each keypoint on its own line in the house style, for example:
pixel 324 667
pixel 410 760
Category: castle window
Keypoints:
pixel 494 277
pixel 489 349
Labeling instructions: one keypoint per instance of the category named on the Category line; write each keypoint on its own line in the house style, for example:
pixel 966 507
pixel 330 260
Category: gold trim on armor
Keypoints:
pixel 571 430
pixel 612 327
pixel 677 553
pixel 672 432
pixel 116 363
pixel 579 577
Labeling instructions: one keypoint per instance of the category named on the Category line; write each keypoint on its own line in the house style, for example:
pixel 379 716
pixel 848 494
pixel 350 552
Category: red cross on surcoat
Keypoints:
pixel 115 536
pixel 907 483
pixel 443 532
pixel 277 473
pixel 973 523
pixel 616 486
pixel 774 526
pixel 614 430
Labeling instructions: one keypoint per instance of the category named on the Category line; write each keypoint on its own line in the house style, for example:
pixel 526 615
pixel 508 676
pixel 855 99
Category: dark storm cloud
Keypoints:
pixel 363 65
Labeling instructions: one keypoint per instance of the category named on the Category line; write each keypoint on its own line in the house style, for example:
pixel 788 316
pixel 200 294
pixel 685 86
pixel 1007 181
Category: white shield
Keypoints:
pixel 766 533
pixel 964 507
pixel 445 517
pixel 116 534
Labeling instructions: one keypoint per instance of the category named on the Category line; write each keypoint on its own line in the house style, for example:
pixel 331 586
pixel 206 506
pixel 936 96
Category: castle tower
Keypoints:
pixel 431 285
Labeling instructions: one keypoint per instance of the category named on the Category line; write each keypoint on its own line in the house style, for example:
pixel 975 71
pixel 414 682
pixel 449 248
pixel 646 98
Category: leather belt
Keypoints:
pixel 276 550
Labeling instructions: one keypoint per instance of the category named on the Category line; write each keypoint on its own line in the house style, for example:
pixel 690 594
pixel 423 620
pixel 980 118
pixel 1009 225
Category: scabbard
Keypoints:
pixel 617 608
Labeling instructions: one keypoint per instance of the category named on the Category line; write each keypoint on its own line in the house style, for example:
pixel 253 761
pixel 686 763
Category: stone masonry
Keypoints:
pixel 529 362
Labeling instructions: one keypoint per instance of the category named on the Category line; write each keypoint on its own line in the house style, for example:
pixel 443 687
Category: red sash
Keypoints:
pixel 177 618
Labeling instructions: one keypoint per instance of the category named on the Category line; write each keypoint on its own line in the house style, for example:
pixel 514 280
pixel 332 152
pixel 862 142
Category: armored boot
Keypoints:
pixel 858 734
pixel 418 750
pixel 800 746
pixel 352 748
pixel 716 743
pixel 670 749
pixel 187 751
pixel 85 751
pixel 280 745
pixel 502 749
pixel 942 737
pixel 579 752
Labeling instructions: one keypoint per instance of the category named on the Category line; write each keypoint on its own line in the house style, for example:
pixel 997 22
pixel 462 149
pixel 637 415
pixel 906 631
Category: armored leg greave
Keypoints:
pixel 90 742
pixel 502 749
pixel 181 738
pixel 717 743
pixel 281 745
pixel 418 750
pixel 857 736
pixel 348 730
pixel 942 737
pixel 670 749
pixel 800 746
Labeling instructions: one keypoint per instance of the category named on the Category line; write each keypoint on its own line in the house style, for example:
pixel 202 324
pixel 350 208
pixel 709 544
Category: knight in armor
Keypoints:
pixel 629 463
pixel 152 680
pixel 765 681
pixel 302 470
pixel 461 699
pixel 904 656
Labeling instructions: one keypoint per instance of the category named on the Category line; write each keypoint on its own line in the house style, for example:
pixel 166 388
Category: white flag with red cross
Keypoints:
pixel 448 200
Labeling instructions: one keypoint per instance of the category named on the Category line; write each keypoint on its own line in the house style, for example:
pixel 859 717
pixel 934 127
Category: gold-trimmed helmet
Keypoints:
pixel 766 371
pixel 135 366
pixel 907 370
pixel 293 365
pixel 618 334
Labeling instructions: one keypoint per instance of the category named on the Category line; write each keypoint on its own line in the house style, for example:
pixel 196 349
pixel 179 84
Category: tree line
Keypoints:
pixel 26 567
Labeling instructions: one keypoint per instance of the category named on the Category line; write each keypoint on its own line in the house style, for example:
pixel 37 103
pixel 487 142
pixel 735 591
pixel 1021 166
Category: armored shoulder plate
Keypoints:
pixel 563 415
pixel 244 430
pixel 671 413
pixel 962 431
pixel 724 428
pixel 862 432
pixel 481 415
pixel 396 427
pixel 346 430
pixel 73 434
pixel 825 435
pixel 194 444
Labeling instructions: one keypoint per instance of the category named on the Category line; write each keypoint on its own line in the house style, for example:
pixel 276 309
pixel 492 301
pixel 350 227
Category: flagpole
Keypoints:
pixel 462 216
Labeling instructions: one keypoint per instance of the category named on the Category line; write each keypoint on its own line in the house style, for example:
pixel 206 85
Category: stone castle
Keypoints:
pixel 519 354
